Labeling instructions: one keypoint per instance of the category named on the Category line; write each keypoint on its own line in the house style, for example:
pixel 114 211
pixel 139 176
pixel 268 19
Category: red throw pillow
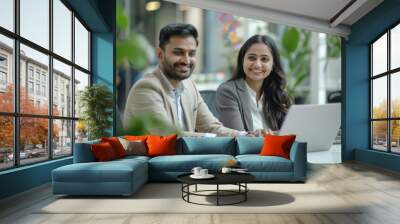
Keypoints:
pixel 103 151
pixel 116 145
pixel 161 145
pixel 275 145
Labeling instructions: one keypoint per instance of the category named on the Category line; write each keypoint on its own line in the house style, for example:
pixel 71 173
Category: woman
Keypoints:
pixel 255 99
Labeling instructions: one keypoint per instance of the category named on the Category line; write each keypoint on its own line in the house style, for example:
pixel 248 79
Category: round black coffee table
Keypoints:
pixel 238 179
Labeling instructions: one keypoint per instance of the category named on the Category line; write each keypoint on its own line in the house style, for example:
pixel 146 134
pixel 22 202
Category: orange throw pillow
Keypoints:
pixel 116 145
pixel 161 145
pixel 135 138
pixel 275 145
pixel 103 152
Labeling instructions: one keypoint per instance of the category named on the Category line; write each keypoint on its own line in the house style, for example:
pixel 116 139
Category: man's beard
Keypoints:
pixel 172 71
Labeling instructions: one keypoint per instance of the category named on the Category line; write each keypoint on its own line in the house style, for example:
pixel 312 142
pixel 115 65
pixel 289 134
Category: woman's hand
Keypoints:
pixel 262 132
pixel 271 132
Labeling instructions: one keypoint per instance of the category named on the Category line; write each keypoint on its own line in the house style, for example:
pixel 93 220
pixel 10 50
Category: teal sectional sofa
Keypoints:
pixel 125 176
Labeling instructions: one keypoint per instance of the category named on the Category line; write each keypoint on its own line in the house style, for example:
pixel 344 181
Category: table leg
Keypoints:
pixel 188 190
pixel 182 190
pixel 245 191
pixel 217 194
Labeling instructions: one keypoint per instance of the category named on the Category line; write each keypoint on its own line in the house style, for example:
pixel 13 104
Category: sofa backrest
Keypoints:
pixel 204 145
pixel 249 145
pixel 190 146
pixel 83 152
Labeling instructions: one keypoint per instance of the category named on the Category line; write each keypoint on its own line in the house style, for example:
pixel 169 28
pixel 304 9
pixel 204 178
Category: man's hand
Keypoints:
pixel 251 134
pixel 260 132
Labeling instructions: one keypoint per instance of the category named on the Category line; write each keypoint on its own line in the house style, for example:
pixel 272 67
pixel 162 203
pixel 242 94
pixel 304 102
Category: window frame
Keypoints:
pixel 388 74
pixel 16 114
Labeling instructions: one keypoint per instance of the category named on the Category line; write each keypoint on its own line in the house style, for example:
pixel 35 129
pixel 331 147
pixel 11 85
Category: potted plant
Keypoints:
pixel 96 102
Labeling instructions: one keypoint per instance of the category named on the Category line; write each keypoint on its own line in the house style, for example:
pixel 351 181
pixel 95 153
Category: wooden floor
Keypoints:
pixel 377 188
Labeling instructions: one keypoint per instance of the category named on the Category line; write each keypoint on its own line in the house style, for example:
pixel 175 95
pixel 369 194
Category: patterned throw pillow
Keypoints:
pixel 135 147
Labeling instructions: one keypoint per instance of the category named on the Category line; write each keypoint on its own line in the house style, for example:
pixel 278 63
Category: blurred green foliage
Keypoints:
pixel 296 52
pixel 130 46
pixel 144 124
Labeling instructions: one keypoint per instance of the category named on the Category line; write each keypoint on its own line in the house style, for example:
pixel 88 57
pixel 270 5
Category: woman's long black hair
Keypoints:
pixel 276 100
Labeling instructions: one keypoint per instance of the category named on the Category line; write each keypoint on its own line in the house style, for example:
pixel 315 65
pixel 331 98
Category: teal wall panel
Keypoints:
pixel 102 59
pixel 24 178
pixel 91 13
pixel 103 64
pixel 356 100
pixel 355 85
pixel 377 158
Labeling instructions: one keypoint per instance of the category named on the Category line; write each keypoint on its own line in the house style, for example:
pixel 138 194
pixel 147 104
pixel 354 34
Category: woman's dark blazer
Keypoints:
pixel 233 105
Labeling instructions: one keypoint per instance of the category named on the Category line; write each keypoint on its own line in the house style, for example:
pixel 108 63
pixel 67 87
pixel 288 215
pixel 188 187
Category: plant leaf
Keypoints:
pixel 290 40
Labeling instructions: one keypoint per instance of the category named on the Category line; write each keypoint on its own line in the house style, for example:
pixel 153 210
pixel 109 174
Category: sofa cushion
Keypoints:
pixel 136 147
pixel 83 152
pixel 94 172
pixel 277 145
pixel 249 145
pixel 103 152
pixel 116 145
pixel 131 158
pixel 185 163
pixel 161 145
pixel 136 137
pixel 116 171
pixel 207 145
pixel 257 163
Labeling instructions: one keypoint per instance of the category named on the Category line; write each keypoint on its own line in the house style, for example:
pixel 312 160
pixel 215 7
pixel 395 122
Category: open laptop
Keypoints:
pixel 317 125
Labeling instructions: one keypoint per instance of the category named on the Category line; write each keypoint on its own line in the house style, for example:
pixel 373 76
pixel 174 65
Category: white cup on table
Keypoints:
pixel 203 172
pixel 196 170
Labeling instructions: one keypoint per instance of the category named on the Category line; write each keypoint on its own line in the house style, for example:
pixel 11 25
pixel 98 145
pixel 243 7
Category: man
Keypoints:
pixel 168 93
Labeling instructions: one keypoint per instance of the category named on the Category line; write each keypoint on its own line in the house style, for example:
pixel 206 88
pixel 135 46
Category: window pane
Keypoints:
pixel 6 74
pixel 395 94
pixel 81 81
pixel 62 29
pixel 379 55
pixel 6 142
pixel 81 131
pixel 81 45
pixel 62 138
pixel 379 135
pixel 7 14
pixel 62 89
pixel 35 21
pixel 395 136
pixel 34 72
pixel 395 47
pixel 379 97
pixel 33 139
